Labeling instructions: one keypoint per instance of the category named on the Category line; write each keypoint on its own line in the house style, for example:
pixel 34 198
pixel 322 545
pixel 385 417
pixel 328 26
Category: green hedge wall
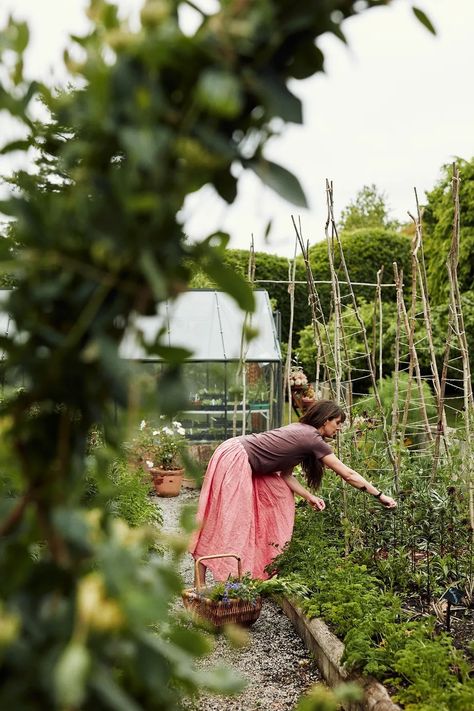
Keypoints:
pixel 365 251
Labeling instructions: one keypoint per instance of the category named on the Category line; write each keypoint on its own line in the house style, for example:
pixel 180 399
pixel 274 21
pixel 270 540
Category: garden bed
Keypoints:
pixel 377 580
pixel 328 651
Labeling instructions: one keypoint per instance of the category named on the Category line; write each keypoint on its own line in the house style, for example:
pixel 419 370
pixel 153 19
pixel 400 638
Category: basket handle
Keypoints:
pixel 216 555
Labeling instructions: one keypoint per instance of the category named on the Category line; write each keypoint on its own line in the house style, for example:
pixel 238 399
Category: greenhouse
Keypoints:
pixel 233 383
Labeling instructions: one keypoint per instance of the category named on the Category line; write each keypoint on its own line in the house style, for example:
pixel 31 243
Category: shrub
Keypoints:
pixel 365 251
pixel 130 498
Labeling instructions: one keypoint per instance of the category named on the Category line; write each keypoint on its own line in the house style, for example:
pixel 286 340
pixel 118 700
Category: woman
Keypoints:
pixel 247 505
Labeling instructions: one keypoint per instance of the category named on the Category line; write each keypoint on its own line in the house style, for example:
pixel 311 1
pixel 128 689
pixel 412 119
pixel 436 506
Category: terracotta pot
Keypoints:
pixel 167 482
pixel 306 402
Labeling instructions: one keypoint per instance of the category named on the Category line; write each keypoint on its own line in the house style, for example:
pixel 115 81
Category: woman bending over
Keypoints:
pixel 246 506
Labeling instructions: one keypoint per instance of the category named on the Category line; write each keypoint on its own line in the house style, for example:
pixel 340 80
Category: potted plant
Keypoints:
pixel 308 398
pixel 159 449
pixel 298 379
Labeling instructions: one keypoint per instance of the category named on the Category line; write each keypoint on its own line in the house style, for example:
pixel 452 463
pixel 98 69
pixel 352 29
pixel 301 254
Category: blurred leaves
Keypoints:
pixel 281 180
pixel 321 698
pixel 97 241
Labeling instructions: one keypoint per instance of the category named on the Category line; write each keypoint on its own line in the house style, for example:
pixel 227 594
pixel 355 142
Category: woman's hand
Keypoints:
pixel 388 502
pixel 316 502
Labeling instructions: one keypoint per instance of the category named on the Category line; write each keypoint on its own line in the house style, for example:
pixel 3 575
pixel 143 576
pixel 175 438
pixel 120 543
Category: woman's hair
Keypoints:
pixel 316 416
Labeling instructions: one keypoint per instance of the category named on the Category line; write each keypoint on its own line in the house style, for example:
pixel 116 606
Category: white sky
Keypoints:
pixel 393 107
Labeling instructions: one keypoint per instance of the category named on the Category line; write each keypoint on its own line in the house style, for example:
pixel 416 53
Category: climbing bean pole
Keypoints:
pixel 422 282
pixel 245 336
pixel 370 364
pixel 336 297
pixel 409 321
pixel 378 318
pixel 395 414
pixel 98 237
pixel 321 334
pixel 457 322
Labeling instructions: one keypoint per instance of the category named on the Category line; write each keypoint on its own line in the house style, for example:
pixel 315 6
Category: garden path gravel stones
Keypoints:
pixel 276 665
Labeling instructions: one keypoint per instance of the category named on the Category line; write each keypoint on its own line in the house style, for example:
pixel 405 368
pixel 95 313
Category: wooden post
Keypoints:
pixel 459 330
pixel 365 341
pixel 321 335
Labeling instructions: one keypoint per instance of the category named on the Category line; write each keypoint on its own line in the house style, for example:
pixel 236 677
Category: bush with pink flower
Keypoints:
pixel 298 379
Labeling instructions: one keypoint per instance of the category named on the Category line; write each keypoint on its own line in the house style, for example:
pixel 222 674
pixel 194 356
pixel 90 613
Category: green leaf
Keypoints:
pixel 231 282
pixel 111 693
pixel 191 641
pixel 277 98
pixel 187 518
pixel 279 179
pixel 10 207
pixel 153 274
pixel 226 185
pixel 424 19
pixel 221 680
pixel 70 675
pixel 308 60
pixel 171 354
pixel 172 394
pixel 219 92
pixel 268 228
pixel 72 525
pixel 22 37
pixel 15 146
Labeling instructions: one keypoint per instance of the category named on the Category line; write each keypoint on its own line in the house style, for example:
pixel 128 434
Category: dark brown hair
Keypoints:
pixel 316 416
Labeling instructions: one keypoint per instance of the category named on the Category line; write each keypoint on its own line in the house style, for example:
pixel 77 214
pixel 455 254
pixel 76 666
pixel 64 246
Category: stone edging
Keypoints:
pixel 327 650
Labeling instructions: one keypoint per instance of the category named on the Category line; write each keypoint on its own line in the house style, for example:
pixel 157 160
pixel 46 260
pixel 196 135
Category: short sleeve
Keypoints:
pixel 321 448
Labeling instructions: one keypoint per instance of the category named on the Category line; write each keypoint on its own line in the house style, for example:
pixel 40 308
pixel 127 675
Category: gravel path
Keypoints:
pixel 276 665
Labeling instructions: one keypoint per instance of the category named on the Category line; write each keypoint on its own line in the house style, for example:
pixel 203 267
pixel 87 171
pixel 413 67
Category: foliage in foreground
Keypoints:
pixel 158 113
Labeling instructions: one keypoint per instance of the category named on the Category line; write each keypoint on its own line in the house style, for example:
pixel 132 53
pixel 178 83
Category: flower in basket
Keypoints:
pixel 250 589
pixel 244 588
pixel 161 446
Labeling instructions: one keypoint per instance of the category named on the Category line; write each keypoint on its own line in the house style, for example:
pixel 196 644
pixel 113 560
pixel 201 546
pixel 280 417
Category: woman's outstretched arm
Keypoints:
pixel 292 482
pixel 356 480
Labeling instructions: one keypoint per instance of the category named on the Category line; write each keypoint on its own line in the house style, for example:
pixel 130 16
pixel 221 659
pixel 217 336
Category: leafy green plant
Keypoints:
pixel 386 389
pixel 363 596
pixel 320 698
pixel 130 497
pixel 248 588
pixel 159 445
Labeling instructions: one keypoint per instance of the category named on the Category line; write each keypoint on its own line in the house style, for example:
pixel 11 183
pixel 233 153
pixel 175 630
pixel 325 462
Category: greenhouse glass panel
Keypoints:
pixel 226 397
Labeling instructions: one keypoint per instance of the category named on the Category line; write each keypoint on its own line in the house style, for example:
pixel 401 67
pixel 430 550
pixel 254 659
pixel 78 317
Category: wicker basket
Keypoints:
pixel 240 612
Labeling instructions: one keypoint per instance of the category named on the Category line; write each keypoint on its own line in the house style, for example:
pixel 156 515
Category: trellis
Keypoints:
pixel 340 369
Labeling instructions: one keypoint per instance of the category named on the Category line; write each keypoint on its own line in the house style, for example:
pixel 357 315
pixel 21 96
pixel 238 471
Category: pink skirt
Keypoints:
pixel 251 515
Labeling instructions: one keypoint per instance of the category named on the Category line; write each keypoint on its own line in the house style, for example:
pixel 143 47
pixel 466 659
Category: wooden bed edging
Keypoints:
pixel 327 650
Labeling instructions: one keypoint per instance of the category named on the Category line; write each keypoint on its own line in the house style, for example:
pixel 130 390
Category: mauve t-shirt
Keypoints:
pixel 283 448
